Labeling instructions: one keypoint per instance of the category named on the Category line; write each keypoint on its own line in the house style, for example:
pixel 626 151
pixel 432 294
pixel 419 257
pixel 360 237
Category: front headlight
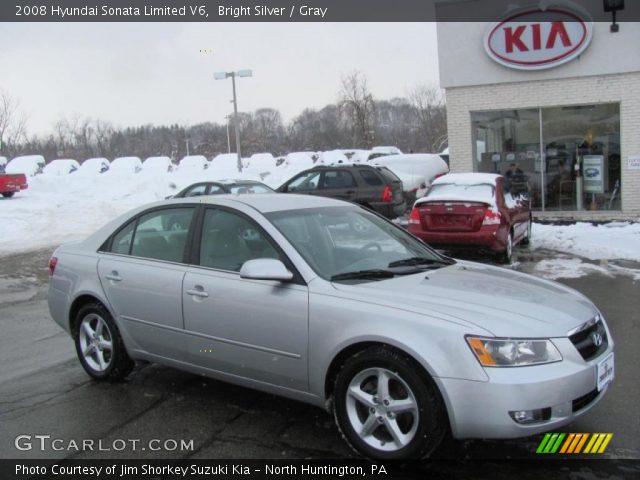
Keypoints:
pixel 510 352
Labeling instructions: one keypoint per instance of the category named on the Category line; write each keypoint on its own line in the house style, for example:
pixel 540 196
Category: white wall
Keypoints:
pixel 463 60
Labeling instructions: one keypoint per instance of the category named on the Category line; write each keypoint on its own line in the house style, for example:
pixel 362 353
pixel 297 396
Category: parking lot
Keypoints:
pixel 43 390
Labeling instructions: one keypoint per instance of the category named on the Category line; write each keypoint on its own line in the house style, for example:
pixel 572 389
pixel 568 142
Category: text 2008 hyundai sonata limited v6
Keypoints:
pixel 325 302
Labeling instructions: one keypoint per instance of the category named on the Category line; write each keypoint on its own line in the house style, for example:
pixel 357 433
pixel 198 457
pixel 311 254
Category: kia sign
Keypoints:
pixel 525 42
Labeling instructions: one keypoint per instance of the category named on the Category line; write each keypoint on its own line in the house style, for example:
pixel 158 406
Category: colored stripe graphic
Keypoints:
pixel 573 443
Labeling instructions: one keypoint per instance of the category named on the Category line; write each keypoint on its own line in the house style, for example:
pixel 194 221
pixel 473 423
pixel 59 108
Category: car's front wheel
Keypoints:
pixel 385 408
pixel 99 345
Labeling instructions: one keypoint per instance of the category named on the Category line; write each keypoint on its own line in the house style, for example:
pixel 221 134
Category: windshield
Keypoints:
pixel 339 240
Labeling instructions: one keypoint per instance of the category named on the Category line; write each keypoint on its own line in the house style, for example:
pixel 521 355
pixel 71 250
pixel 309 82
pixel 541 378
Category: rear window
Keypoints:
pixel 371 178
pixel 462 192
pixel 388 175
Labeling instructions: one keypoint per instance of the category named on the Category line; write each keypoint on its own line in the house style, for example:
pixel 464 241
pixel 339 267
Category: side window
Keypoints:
pixel 371 178
pixel 215 190
pixel 338 179
pixel 122 241
pixel 162 235
pixel 229 240
pixel 196 190
pixel 306 181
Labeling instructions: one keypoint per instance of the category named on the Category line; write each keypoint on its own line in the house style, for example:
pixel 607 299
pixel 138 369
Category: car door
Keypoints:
pixel 142 273
pixel 256 329
pixel 340 184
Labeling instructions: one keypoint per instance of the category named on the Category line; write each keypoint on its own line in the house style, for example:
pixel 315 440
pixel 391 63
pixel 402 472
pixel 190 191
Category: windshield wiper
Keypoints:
pixel 373 274
pixel 415 261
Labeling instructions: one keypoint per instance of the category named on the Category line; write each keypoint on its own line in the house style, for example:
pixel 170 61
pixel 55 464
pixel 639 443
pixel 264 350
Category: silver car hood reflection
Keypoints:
pixel 502 302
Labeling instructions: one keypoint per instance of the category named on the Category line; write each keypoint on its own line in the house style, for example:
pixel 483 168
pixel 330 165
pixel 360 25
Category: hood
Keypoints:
pixel 500 301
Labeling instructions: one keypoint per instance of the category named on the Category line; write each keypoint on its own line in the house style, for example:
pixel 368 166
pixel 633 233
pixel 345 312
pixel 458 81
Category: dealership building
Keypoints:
pixel 554 97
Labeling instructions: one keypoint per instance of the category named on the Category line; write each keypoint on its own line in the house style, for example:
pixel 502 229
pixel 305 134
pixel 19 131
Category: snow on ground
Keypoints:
pixel 571 267
pixel 609 241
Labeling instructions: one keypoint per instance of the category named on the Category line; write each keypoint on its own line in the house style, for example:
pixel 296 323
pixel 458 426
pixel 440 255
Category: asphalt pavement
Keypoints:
pixel 43 390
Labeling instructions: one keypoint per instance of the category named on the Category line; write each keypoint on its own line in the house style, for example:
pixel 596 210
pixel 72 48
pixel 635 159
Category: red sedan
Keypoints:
pixel 473 212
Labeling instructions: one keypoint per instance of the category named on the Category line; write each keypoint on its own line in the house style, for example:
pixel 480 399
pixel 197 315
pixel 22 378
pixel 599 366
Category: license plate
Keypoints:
pixel 605 372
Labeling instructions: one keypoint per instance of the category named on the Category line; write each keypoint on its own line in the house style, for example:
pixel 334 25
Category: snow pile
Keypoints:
pixel 565 267
pixel 94 166
pixel 125 166
pixel 62 166
pixel 198 162
pixel 616 240
pixel 157 164
pixel 27 164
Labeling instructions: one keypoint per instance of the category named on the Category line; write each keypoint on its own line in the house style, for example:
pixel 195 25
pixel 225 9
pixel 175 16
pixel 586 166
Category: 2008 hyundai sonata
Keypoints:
pixel 325 302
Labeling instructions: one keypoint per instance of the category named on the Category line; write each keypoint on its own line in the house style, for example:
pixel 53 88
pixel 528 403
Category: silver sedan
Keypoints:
pixel 325 302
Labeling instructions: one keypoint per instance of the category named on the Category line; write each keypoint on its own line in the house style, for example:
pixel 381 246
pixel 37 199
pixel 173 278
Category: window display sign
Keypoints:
pixel 592 172
pixel 633 162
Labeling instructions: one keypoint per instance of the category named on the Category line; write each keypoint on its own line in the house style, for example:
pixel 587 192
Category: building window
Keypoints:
pixel 566 158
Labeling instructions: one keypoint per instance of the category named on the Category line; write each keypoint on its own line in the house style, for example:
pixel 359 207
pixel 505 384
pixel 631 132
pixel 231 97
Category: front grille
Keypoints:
pixel 586 342
pixel 583 401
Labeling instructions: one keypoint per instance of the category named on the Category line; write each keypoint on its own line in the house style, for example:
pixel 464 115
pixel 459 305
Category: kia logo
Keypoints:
pixel 524 42
pixel 596 338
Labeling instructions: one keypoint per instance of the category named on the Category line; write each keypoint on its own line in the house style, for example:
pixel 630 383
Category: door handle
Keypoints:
pixel 198 291
pixel 113 276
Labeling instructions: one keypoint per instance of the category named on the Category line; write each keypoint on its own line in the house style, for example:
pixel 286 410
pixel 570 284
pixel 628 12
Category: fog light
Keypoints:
pixel 526 417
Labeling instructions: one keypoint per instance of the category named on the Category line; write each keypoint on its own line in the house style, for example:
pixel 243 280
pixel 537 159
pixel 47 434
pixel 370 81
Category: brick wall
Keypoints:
pixel 623 88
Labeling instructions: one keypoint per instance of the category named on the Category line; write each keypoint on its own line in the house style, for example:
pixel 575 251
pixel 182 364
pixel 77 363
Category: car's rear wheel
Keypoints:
pixel 527 239
pixel 507 254
pixel 8 194
pixel 99 345
pixel 385 408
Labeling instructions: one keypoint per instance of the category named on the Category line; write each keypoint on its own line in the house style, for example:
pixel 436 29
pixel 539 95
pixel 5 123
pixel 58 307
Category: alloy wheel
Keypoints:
pixel 96 342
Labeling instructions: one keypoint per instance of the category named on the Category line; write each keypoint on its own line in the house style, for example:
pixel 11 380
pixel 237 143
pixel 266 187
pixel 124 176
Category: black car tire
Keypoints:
pixel 432 418
pixel 119 364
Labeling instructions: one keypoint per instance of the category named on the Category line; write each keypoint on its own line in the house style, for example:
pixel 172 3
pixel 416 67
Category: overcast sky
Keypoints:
pixel 133 74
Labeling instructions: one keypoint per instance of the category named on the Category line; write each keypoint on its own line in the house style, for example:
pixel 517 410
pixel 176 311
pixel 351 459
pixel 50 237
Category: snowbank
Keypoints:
pixel 61 166
pixel 616 240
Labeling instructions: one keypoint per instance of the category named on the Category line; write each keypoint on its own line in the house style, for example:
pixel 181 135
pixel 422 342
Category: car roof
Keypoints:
pixel 267 202
pixel 474 178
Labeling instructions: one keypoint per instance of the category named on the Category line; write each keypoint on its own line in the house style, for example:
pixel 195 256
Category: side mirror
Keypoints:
pixel 265 269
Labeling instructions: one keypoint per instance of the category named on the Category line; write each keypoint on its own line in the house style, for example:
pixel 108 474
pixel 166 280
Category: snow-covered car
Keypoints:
pixel 331 157
pixel 225 164
pixel 380 151
pixel 94 166
pixel 30 165
pixel 193 162
pixel 157 165
pixel 325 302
pixel 300 160
pixel 61 166
pixel 416 170
pixel 122 165
pixel 261 164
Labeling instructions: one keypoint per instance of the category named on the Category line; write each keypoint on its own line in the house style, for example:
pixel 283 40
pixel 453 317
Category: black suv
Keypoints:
pixel 374 187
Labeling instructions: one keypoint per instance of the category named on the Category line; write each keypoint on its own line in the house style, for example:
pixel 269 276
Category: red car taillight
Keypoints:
pixel 387 194
pixel 53 261
pixel 491 218
pixel 414 217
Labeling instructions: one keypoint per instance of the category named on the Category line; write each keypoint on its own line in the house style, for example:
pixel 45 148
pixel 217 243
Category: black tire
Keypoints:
pixel 8 194
pixel 507 255
pixel 430 426
pixel 119 364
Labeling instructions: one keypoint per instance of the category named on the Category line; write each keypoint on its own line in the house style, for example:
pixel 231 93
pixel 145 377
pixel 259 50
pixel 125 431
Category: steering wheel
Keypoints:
pixel 369 245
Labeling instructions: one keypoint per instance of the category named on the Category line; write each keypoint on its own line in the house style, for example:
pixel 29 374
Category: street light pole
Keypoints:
pixel 228 138
pixel 235 121
pixel 222 76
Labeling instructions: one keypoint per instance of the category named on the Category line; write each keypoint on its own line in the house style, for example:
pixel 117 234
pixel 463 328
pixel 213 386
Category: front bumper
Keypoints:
pixel 481 409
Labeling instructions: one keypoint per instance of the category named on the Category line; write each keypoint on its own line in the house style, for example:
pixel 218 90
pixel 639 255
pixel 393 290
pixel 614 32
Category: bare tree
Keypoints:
pixel 358 104
pixel 429 104
pixel 13 123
